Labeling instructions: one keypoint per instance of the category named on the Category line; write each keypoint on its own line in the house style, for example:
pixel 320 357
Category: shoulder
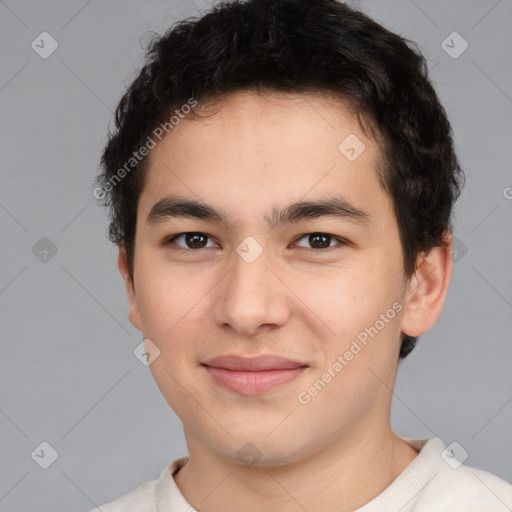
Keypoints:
pixel 148 496
pixel 436 481
pixel 140 499
pixel 465 489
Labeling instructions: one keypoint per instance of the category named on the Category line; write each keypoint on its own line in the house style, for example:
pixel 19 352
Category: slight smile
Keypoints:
pixel 255 375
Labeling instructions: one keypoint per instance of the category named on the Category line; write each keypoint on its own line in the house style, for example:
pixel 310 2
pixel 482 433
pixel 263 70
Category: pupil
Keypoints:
pixel 317 236
pixel 195 238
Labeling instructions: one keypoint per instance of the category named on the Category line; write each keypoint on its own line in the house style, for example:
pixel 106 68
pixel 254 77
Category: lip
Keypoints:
pixel 254 375
pixel 253 364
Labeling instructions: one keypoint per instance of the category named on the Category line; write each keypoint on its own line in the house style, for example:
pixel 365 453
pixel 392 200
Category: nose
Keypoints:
pixel 252 297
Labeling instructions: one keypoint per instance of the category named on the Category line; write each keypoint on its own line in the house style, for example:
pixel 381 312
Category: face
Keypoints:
pixel 245 273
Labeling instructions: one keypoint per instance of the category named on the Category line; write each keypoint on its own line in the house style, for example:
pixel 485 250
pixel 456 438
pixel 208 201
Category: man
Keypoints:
pixel 280 183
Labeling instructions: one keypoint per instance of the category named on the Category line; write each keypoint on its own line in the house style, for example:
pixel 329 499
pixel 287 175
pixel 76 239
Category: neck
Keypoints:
pixel 343 476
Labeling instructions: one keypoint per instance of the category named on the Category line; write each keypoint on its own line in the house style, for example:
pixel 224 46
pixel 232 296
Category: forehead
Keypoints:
pixel 251 152
pixel 254 118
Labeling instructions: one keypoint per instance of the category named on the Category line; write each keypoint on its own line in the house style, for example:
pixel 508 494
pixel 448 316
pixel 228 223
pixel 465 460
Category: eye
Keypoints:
pixel 193 240
pixel 321 240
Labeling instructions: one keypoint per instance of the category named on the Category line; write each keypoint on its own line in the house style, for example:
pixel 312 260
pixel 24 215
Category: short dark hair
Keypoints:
pixel 321 46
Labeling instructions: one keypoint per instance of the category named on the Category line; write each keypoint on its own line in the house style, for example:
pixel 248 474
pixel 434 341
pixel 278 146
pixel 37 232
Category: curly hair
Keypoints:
pixel 321 46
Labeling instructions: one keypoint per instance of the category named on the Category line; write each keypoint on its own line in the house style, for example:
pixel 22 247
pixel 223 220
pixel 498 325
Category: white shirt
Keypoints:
pixel 430 483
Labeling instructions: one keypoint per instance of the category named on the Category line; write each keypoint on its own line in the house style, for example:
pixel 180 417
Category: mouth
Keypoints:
pixel 255 375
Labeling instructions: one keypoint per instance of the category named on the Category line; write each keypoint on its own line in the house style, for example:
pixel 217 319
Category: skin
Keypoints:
pixel 257 152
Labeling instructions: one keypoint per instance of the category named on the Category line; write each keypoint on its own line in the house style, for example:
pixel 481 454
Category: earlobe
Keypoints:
pixel 122 263
pixel 427 289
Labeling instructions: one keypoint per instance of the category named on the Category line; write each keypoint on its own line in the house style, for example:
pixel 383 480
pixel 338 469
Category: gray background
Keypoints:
pixel 68 373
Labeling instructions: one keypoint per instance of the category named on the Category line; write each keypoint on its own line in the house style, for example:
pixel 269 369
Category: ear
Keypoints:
pixel 428 288
pixel 122 263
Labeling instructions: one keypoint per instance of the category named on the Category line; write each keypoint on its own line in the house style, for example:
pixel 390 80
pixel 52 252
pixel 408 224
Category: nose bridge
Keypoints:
pixel 250 275
pixel 251 295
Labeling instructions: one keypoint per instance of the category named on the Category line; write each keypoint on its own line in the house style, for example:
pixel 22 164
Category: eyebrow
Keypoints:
pixel 171 207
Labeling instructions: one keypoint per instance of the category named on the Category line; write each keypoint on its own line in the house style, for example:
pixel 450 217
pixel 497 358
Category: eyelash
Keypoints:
pixel 171 240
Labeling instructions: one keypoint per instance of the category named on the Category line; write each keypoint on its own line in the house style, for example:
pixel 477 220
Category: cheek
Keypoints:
pixel 171 310
pixel 362 307
pixel 169 297
pixel 347 298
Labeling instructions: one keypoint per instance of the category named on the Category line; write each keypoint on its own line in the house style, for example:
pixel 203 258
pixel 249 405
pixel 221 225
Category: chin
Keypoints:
pixel 259 451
